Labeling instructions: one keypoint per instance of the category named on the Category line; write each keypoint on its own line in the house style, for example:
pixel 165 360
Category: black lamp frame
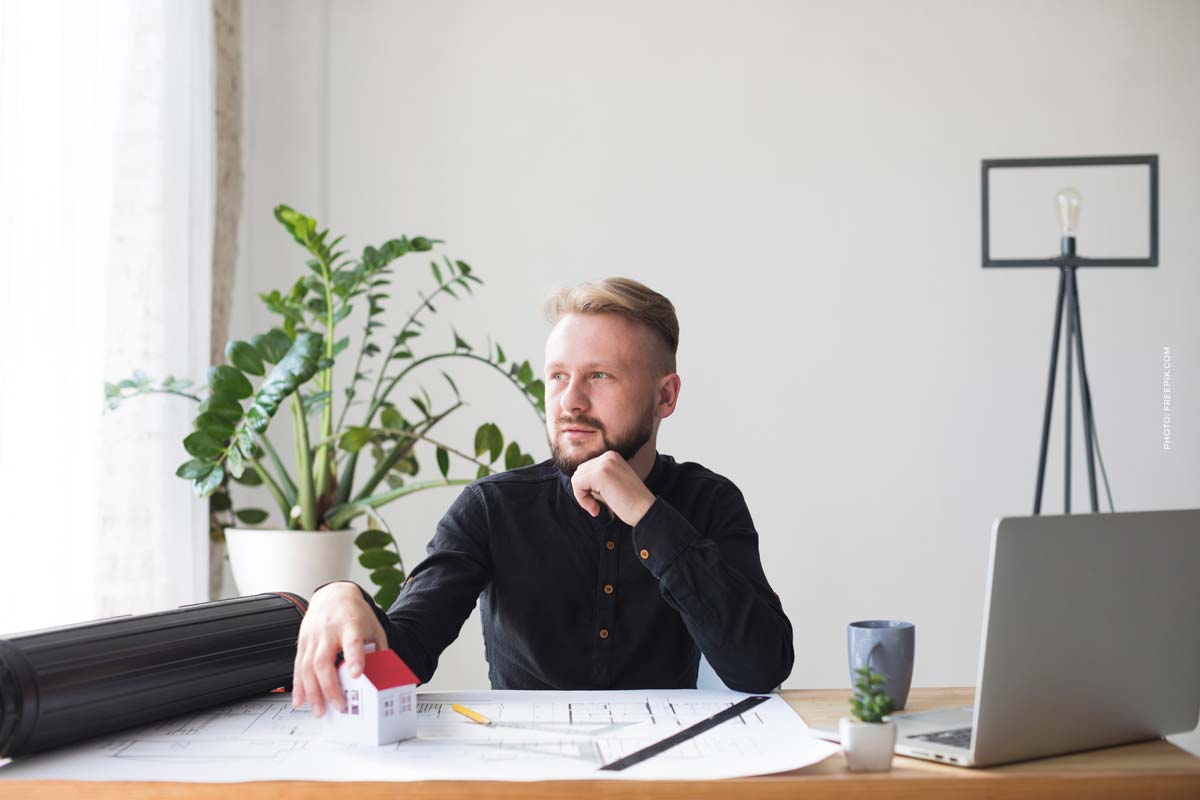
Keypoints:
pixel 1067 261
pixel 1150 161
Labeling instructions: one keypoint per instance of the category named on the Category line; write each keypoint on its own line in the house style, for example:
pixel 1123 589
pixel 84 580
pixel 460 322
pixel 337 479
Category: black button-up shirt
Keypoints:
pixel 569 601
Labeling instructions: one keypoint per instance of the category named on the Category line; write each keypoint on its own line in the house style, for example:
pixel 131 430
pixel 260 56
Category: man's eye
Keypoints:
pixel 599 374
pixel 557 376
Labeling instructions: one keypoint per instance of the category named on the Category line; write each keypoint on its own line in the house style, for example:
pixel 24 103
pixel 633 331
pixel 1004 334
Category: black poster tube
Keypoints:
pixel 66 684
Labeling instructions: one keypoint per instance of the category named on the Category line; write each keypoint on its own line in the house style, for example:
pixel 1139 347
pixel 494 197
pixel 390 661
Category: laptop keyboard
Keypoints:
pixel 957 737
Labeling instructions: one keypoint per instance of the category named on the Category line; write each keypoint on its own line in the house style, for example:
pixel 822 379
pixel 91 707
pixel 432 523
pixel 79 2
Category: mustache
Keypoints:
pixel 582 420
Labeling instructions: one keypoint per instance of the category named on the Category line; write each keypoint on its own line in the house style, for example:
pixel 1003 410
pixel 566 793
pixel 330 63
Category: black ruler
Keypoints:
pixel 689 732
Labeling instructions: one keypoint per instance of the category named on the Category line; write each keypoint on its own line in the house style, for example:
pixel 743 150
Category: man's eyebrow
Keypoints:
pixel 589 365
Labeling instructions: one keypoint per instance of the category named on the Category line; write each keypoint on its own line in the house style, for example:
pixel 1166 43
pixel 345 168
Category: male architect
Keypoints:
pixel 609 566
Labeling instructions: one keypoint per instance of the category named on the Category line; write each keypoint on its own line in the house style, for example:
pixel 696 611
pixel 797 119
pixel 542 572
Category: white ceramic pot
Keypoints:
pixel 868 745
pixel 288 561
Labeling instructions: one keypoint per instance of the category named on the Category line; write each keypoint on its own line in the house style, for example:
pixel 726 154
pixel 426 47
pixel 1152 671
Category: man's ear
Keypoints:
pixel 667 395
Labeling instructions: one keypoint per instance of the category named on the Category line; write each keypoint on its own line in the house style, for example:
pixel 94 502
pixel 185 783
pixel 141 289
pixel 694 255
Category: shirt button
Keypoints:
pixel 610 544
pixel 608 588
pixel 604 633
pixel 644 554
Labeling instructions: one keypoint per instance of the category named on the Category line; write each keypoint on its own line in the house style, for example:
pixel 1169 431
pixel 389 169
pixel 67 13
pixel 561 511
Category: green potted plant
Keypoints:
pixel 868 737
pixel 330 487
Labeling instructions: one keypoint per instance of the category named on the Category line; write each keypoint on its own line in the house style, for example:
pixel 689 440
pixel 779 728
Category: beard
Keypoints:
pixel 626 445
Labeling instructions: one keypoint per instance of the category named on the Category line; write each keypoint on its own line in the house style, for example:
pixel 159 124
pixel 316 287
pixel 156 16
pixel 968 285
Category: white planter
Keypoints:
pixel 868 745
pixel 289 561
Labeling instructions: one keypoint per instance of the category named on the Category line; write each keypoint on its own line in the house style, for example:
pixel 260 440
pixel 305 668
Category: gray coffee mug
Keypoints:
pixel 886 646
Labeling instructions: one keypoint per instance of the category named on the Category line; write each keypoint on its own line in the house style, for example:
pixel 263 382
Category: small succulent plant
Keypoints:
pixel 870 703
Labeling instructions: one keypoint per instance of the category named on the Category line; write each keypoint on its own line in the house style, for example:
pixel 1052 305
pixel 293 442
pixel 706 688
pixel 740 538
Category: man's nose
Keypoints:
pixel 574 399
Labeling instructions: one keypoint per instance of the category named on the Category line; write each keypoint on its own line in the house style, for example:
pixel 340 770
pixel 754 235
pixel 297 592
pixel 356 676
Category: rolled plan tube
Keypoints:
pixel 65 684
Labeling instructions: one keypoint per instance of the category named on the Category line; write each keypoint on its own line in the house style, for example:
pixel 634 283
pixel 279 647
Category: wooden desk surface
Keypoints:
pixel 1149 769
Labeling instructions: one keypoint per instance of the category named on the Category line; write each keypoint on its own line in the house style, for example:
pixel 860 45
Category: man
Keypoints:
pixel 608 566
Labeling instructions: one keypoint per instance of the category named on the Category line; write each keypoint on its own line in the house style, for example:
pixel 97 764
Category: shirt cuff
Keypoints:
pixel 381 615
pixel 661 536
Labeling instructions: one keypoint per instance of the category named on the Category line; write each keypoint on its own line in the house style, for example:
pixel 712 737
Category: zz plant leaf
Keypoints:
pixel 226 380
pixel 294 369
pixel 272 346
pixel 245 357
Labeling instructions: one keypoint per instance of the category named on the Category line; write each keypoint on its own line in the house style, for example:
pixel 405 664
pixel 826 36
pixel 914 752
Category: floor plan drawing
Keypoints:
pixel 532 736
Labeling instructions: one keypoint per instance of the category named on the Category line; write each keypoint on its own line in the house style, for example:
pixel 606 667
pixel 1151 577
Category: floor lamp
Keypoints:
pixel 1066 315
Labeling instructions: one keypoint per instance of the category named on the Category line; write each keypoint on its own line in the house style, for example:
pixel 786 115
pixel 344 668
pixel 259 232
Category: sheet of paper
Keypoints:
pixel 535 736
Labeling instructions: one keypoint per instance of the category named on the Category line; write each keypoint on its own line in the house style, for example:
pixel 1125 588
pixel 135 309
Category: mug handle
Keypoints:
pixel 871 654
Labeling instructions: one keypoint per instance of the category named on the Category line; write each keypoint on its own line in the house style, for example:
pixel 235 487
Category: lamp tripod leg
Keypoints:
pixel 1067 392
pixel 1049 407
pixel 1085 397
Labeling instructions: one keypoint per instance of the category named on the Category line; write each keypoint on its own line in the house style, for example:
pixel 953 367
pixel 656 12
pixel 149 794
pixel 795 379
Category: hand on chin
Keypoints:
pixel 609 479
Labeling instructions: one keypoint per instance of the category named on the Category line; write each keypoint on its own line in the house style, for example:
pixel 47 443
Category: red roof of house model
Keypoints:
pixel 386 670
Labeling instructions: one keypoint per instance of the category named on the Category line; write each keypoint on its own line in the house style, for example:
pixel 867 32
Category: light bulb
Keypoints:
pixel 1069 201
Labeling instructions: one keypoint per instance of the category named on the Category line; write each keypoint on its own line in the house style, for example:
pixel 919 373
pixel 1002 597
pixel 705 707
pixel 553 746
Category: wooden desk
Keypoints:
pixel 1149 769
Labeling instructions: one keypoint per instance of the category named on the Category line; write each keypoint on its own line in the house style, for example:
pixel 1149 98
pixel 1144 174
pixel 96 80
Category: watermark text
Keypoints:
pixel 1166 397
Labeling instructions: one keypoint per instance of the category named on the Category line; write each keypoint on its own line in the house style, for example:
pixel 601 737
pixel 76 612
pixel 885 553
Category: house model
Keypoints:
pixel 381 705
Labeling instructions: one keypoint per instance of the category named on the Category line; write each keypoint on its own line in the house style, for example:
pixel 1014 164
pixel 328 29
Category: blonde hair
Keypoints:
pixel 630 299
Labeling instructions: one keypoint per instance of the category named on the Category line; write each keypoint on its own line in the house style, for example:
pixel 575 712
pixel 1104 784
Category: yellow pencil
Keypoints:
pixel 474 716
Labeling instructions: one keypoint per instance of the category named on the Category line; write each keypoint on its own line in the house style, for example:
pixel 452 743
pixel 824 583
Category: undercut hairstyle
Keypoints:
pixel 628 298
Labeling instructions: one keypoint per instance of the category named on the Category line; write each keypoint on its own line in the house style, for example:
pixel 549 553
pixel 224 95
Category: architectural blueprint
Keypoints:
pixel 533 736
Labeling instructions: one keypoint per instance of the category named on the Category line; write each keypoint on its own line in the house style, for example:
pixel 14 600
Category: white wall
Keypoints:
pixel 802 179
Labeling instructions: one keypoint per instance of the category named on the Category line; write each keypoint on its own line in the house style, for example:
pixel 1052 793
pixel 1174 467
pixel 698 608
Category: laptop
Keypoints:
pixel 1091 638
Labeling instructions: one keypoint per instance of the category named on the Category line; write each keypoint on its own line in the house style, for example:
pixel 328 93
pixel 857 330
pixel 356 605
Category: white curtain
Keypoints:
pixel 106 187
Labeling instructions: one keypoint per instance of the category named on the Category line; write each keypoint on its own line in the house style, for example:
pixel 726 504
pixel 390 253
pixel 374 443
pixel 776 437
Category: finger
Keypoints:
pixel 379 636
pixel 352 648
pixel 310 689
pixel 312 686
pixel 595 501
pixel 299 695
pixel 324 666
pixel 297 682
pixel 582 488
pixel 300 691
pixel 589 503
